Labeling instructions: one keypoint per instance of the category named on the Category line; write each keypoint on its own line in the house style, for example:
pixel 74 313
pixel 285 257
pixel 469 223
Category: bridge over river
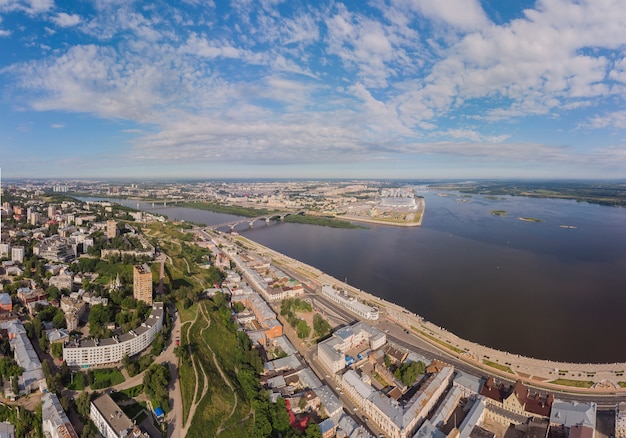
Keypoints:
pixel 267 218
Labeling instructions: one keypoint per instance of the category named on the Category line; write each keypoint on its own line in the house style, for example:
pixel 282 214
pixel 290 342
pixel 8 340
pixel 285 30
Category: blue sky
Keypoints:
pixel 352 89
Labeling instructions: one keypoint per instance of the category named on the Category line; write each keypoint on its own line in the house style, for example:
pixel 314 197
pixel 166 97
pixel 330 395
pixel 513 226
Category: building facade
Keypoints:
pixel 54 419
pixel 142 283
pixel 92 352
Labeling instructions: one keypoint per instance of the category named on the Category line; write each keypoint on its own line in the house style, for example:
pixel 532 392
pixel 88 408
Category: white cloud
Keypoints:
pixel 66 20
pixel 30 7
pixel 616 119
pixel 462 14
pixel 57 126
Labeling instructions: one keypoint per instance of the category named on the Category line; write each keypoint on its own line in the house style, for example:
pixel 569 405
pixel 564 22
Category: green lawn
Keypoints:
pixel 106 377
pixel 498 366
pixel 438 341
pixel 573 383
pixel 78 383
pixel 218 403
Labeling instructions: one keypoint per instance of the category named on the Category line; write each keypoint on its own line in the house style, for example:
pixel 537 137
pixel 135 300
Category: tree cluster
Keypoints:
pixel 155 382
pixel 407 372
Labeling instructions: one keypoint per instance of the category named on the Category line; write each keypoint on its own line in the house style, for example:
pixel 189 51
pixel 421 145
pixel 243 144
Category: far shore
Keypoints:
pixel 379 222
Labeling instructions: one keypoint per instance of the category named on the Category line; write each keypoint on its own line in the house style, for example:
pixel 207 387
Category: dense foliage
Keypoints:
pixel 408 372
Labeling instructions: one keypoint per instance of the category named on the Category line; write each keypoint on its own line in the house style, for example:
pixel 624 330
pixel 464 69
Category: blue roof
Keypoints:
pixel 159 412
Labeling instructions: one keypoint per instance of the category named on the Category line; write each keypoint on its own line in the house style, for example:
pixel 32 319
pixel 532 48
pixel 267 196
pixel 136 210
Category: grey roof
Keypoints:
pixel 414 357
pixel 276 382
pixel 472 383
pixel 285 344
pixel 329 400
pixel 573 413
pixel 112 414
pixel 447 406
pixel 326 425
pixel 428 430
pixel 57 334
pixel 27 358
pixel 5 299
pixel 308 379
pixel 53 414
pixel 472 418
pixel 328 346
pixel 362 388
pixel 7 430
pixel 290 362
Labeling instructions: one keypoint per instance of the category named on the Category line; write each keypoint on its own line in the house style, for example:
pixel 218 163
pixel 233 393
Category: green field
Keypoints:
pixel 573 383
pixel 498 366
pixel 106 377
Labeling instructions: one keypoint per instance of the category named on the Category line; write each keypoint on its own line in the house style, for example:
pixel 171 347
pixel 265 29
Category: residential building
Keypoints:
pixel 4 249
pixel 72 320
pixel 343 298
pixel 397 420
pixel 142 283
pixel 6 305
pixel 7 430
pixel 111 229
pixel 514 403
pixel 620 420
pixel 331 352
pixel 17 254
pixel 32 379
pixel 574 416
pixel 92 352
pixel 54 249
pixel 109 419
pixel 55 421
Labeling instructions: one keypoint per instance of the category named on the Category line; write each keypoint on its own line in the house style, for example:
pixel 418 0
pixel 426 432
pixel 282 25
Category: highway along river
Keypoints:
pixel 531 288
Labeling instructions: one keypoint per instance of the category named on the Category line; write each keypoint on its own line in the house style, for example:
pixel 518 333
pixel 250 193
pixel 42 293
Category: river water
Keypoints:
pixel 529 288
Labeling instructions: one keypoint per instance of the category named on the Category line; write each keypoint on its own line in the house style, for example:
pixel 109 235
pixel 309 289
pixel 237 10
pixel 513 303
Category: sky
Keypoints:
pixel 303 89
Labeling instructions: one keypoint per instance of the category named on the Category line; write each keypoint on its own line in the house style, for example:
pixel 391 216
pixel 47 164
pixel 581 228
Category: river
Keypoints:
pixel 531 288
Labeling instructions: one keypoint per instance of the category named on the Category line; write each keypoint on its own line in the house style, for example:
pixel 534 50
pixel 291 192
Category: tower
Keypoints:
pixel 111 229
pixel 142 283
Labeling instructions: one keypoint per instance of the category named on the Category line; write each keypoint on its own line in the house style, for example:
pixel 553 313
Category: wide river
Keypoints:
pixel 529 288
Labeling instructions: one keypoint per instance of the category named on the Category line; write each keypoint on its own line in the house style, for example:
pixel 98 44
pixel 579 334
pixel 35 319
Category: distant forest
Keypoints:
pixel 603 193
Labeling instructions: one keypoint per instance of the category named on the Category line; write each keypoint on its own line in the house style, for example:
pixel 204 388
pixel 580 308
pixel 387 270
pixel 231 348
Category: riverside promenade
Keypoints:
pixel 589 378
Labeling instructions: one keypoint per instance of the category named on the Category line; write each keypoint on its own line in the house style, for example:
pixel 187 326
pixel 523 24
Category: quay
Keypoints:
pixel 591 379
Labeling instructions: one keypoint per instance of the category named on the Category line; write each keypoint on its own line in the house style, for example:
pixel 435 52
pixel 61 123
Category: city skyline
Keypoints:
pixel 389 89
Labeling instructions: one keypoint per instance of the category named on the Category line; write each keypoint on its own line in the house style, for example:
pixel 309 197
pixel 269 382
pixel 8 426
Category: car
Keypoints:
pixel 355 409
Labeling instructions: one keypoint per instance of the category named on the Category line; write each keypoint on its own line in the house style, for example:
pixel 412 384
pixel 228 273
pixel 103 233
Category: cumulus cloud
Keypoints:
pixel 275 81
pixel 63 19
pixel 31 7
pixel 616 119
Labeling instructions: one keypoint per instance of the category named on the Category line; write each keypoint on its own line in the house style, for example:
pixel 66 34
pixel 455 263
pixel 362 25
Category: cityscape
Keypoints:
pixel 316 219
pixel 116 321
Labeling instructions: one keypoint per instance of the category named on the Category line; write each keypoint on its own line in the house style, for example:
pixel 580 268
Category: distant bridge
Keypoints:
pixel 251 221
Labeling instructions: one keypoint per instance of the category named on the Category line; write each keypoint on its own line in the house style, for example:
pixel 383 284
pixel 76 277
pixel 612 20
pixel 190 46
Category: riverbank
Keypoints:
pixel 587 378
pixel 391 221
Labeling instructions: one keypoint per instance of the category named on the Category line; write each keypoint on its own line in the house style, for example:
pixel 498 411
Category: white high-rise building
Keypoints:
pixel 17 254
pixel 4 249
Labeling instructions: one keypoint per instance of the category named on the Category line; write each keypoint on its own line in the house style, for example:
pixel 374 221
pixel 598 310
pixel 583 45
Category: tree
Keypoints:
pixel 280 417
pixel 57 350
pixel 302 329
pixel 99 316
pixel 83 404
pixel 59 320
pixel 320 325
pixel 312 431
pixel 408 372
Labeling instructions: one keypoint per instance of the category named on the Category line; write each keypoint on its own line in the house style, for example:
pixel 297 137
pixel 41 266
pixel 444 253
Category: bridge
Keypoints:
pixel 251 221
